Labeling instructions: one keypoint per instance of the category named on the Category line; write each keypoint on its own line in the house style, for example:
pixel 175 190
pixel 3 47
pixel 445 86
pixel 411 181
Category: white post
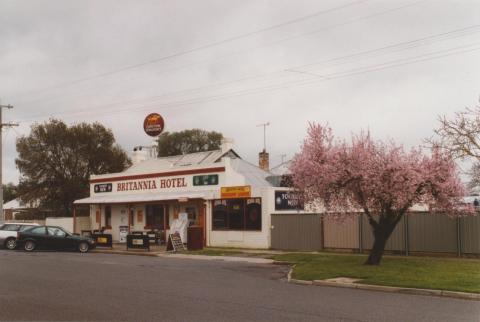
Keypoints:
pixel 2 125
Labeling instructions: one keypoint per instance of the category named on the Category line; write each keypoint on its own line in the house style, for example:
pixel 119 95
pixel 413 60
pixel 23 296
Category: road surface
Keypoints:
pixel 104 287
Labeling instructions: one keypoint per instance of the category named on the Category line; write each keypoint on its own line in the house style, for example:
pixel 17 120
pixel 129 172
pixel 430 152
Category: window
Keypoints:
pixel 38 231
pixel 220 214
pixel 55 231
pixel 154 216
pixel 25 227
pixel 253 214
pixel 237 214
pixel 192 215
pixel 11 227
pixel 108 216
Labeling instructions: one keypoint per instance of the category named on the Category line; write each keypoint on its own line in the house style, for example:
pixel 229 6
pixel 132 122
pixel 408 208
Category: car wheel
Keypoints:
pixel 83 247
pixel 29 245
pixel 10 243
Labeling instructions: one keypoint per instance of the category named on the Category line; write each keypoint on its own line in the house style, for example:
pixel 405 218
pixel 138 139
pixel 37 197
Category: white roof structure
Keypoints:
pixel 16 204
pixel 173 163
pixel 12 204
pixel 254 176
pixel 144 197
pixel 167 163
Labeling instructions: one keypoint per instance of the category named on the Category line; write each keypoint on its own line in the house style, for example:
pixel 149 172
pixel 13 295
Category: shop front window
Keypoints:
pixel 253 214
pixel 220 214
pixel 237 214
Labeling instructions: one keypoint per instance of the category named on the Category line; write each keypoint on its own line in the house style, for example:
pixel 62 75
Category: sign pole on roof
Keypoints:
pixel 153 124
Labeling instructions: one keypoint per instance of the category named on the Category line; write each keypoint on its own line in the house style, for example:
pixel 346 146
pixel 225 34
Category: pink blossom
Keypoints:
pixel 381 179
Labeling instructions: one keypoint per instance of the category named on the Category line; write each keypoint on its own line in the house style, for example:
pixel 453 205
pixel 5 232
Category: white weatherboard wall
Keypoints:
pixel 64 222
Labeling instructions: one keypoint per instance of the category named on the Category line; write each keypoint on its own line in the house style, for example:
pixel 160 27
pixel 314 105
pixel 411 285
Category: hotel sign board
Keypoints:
pixel 235 192
pixel 288 200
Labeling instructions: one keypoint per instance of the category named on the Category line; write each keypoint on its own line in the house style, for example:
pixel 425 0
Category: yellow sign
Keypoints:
pixel 102 240
pixel 236 192
pixel 137 241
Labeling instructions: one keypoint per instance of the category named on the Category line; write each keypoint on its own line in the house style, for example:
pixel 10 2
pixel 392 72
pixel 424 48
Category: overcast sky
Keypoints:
pixel 388 66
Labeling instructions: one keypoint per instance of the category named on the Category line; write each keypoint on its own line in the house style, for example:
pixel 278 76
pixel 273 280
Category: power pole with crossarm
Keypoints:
pixel 2 125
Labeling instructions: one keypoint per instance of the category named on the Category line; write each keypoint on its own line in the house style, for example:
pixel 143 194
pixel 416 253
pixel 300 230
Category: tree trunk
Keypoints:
pixel 382 231
pixel 377 250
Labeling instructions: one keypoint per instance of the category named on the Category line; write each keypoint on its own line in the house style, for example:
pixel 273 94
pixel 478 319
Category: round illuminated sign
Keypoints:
pixel 153 124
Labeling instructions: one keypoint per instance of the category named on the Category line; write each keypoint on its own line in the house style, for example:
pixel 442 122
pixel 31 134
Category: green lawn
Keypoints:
pixel 418 272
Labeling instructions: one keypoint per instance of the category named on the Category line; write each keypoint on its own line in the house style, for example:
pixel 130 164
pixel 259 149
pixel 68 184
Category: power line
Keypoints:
pixel 392 48
pixel 329 77
pixel 203 47
pixel 351 21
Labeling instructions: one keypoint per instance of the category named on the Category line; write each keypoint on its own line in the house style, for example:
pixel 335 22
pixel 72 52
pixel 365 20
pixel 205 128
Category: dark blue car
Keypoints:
pixel 53 238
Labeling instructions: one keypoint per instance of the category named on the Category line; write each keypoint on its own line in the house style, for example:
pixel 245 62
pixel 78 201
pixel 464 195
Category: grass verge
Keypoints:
pixel 452 274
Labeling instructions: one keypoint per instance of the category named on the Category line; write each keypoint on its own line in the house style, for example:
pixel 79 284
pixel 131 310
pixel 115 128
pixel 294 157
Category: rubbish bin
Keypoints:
pixel 195 238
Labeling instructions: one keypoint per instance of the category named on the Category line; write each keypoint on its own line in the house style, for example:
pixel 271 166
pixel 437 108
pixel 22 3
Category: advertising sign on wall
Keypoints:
pixel 288 200
pixel 103 187
pixel 205 180
pixel 236 192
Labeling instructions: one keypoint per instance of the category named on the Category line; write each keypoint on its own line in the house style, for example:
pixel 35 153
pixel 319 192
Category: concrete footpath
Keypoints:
pixel 159 251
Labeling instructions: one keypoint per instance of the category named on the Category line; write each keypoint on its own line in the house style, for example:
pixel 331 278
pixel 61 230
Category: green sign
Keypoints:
pixel 205 180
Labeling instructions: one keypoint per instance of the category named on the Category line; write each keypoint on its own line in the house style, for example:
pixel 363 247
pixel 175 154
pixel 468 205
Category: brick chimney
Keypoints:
pixel 263 160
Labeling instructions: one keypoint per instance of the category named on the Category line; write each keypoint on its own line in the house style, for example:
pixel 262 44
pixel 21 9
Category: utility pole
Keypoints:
pixel 264 134
pixel 2 125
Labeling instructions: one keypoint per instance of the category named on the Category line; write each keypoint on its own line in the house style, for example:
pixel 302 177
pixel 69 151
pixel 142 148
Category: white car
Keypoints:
pixel 8 233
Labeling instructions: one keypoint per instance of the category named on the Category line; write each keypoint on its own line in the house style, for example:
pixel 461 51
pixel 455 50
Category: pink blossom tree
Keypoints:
pixel 382 180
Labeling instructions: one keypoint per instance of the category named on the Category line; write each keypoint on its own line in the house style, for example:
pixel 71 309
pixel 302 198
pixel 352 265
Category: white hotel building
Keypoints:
pixel 230 198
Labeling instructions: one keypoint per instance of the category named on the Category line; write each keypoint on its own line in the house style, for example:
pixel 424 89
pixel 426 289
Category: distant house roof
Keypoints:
pixel 16 204
pixel 12 204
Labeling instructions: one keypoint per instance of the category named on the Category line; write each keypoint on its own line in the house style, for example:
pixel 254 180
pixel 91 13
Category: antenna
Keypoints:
pixel 264 134
pixel 283 156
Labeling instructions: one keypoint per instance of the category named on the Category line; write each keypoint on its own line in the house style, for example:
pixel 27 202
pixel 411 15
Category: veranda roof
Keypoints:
pixel 144 197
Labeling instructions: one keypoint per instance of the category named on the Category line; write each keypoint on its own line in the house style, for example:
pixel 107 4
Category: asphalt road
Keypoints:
pixel 103 287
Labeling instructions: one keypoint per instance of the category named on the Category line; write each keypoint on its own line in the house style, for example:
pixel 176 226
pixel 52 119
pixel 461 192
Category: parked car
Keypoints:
pixel 8 233
pixel 53 238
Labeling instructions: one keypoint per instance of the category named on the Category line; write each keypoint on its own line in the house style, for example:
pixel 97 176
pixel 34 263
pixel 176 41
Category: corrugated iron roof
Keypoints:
pixel 179 161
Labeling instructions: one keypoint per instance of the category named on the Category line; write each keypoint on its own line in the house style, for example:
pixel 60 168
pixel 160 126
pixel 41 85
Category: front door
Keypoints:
pixel 155 216
pixel 196 215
